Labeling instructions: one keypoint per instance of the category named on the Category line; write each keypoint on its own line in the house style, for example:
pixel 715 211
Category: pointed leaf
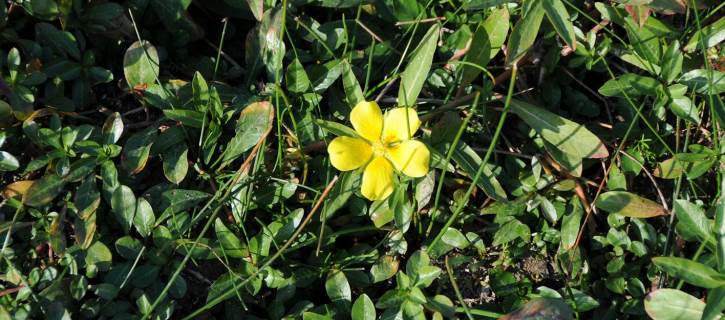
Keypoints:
pixel 672 304
pixel 416 72
pixel 629 205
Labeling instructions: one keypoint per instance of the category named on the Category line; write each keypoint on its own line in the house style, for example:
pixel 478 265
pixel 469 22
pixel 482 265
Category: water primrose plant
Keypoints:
pixel 228 159
pixel 383 143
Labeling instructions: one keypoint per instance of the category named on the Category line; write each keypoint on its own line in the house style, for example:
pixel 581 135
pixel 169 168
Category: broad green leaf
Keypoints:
pixel 684 108
pixel 416 72
pixel 109 177
pixel 572 164
pixel 230 244
pixel 296 78
pixel 190 118
pixel 99 255
pixel 486 42
pixel 62 42
pixel 564 134
pixel 453 238
pixel 631 85
pixel 692 272
pixel 692 219
pixel 200 90
pixel 123 204
pixel 144 219
pixel 141 64
pixel 470 161
pixel 136 150
pixel 710 35
pixel 385 268
pixel 629 205
pixel 672 62
pixel 112 128
pixel 128 247
pixel 704 81
pixel 324 75
pixel 353 92
pixel 254 121
pixel 363 308
pixel 8 162
pixel 338 288
pixel 560 19
pixel 43 190
pixel 87 197
pixel 510 231
pixel 176 163
pixel 669 169
pixel 524 33
pixel 571 223
pixel 715 304
pixel 672 304
pixel 644 40
pixel 343 190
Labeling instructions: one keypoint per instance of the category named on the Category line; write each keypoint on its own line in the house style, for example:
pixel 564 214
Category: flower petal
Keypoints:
pixel 410 157
pixel 400 124
pixel 348 153
pixel 367 119
pixel 377 181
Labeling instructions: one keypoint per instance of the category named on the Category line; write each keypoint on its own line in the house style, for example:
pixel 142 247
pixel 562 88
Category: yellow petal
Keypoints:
pixel 400 124
pixel 348 153
pixel 377 181
pixel 410 157
pixel 367 119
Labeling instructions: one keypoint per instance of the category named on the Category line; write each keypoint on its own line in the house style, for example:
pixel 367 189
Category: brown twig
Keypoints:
pixel 11 290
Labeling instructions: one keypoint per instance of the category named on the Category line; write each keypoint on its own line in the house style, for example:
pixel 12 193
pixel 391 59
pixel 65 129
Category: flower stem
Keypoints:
pixel 499 127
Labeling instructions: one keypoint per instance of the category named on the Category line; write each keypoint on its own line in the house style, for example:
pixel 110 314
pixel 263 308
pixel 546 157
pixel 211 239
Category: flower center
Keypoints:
pixel 378 148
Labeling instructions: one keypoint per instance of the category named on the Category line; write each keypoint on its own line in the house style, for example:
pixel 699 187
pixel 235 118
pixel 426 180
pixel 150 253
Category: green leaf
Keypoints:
pixel 669 169
pixel 704 81
pixel 709 35
pixel 144 219
pixel 200 91
pixel 719 229
pixel 715 304
pixel 672 62
pixel 296 78
pixel 99 255
pixel 510 231
pixel 692 272
pixel 383 269
pixel 469 161
pixel 176 163
pixel 684 108
pixel 141 64
pixel 560 19
pixel 43 190
pixel 524 33
pixel 672 304
pixel 486 42
pixel 629 205
pixel 123 204
pixel 631 85
pixel 189 118
pixel 692 219
pixel 62 42
pixel 335 128
pixel 8 162
pixel 254 121
pixel 571 223
pixel 363 308
pixel 343 190
pixel 128 247
pixel 338 288
pixel 136 150
pixel 230 244
pixel 112 128
pixel 564 134
pixel 353 92
pixel 87 198
pixel 416 72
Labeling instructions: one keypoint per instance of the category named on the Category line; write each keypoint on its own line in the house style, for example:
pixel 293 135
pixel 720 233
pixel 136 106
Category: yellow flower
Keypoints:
pixel 384 144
